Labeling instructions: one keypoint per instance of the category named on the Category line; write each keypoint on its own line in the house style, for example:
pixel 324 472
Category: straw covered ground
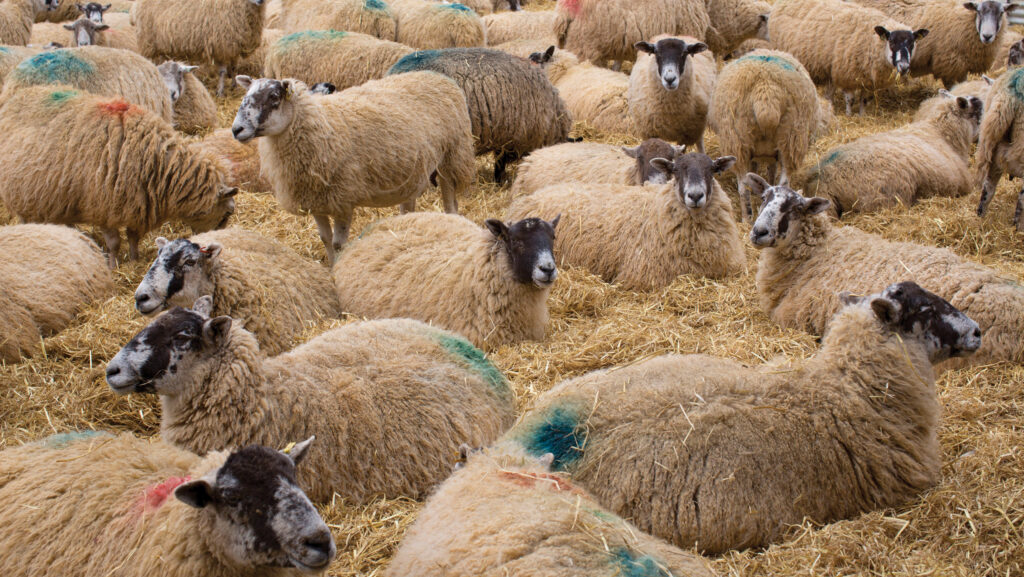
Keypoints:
pixel 972 523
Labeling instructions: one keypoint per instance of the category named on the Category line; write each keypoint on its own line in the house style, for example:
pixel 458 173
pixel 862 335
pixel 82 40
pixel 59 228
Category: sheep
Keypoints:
pixel 513 107
pixel 765 107
pixel 17 16
pixel 194 109
pixel 92 10
pixel 594 96
pixel 748 46
pixel 11 56
pixel 1002 129
pixel 487 7
pixel 503 27
pixel 69 157
pixel 378 144
pixel 603 30
pixel 655 235
pixel 323 88
pixel 850 430
pixel 506 513
pixel 593 162
pixel 976 88
pixel 85 32
pixel 372 17
pixel 345 59
pixel 428 25
pixel 805 260
pixel 490 285
pixel 118 505
pixel 735 21
pixel 49 273
pixel 1010 53
pixel 242 161
pixel 221 32
pixel 833 40
pixel 438 390
pixel 100 71
pixel 248 276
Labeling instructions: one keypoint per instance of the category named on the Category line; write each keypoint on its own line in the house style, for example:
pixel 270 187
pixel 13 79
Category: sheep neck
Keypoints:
pixel 955 131
pixel 779 264
pixel 516 302
pixel 188 183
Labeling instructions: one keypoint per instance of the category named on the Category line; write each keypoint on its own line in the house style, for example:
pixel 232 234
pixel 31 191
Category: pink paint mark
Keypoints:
pixel 573 7
pixel 547 479
pixel 115 107
pixel 154 496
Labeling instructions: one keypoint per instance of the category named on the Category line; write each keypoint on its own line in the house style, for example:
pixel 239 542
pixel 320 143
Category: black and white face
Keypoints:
pixel 323 88
pixel 969 108
pixel 1016 55
pixel 261 517
pixel 84 31
pixel 988 18
pixel 47 5
pixel 93 11
pixel 782 208
pixel 695 176
pixel 265 110
pixel 919 315
pixel 647 151
pixel 178 277
pixel 542 58
pixel 173 74
pixel 670 55
pixel 899 46
pixel 529 244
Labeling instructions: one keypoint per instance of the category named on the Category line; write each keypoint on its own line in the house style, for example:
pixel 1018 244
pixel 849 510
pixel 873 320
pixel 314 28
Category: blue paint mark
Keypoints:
pixel 633 565
pixel 62 96
pixel 314 35
pixel 420 60
pixel 62 440
pixel 1016 83
pixel 557 431
pixel 456 7
pixel 477 361
pixel 830 158
pixel 56 66
pixel 375 5
pixel 5 50
pixel 780 62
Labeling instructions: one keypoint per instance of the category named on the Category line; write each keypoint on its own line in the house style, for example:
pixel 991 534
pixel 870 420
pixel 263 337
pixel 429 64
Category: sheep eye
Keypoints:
pixel 230 496
pixel 182 340
pixel 190 262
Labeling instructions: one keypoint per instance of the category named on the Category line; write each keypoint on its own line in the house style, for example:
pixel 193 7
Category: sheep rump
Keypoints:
pixel 344 59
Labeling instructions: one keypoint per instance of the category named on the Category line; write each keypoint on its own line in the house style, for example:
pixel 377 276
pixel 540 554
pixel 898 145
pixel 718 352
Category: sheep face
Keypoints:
pixel 45 5
pixel 260 516
pixel 542 59
pixel 647 151
pixel 529 245
pixel 782 209
pixel 93 11
pixel 265 109
pixel 84 30
pixel 178 277
pixel 919 315
pixel 988 18
pixel 899 46
pixel 670 55
pixel 323 88
pixel 695 176
pixel 173 74
pixel 969 109
pixel 1016 57
pixel 218 216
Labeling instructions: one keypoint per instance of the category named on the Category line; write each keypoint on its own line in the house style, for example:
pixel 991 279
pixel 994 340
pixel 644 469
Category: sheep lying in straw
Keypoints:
pixel 979 89
pixel 835 41
pixel 765 108
pixel 643 238
pixel 503 27
pixel 372 17
pixel 1001 141
pixel 925 158
pixel 269 288
pixel 490 285
pixel 101 71
pixel 512 104
pixel 505 513
pixel 1011 51
pixel 805 260
pixel 712 454
pixel 734 22
pixel 378 144
pixel 390 400
pixel 149 176
pixel 595 96
pixel 126 507
pixel 593 162
pixel 241 160
pixel 48 274
pixel 17 16
pixel 429 25
pixel 194 109
pixel 344 59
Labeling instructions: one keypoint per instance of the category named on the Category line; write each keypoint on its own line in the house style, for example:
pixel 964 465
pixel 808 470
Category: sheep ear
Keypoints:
pixel 105 8
pixel 69 27
pixel 289 88
pixel 962 103
pixel 882 33
pixel 215 331
pixel 243 81
pixel 680 149
pixel 972 6
pixel 187 69
pixel 547 460
pixel 211 251
pixel 161 242
pixel 988 79
pixel 816 205
pixel 80 7
pixel 722 164
pixel 662 165
pixel 696 48
pixel 886 310
pixel 497 228
pixel 920 33
pixel 645 47
pixel 1011 7
pixel 102 27
pixel 198 493
pixel 633 152
pixel 298 451
pixel 203 306
pixel 946 93
pixel 554 222
pixel 549 53
pixel 227 192
pixel 847 298
pixel 755 183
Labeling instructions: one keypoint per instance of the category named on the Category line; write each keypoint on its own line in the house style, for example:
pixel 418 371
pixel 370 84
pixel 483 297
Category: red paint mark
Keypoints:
pixel 154 496
pixel 573 7
pixel 532 479
pixel 115 107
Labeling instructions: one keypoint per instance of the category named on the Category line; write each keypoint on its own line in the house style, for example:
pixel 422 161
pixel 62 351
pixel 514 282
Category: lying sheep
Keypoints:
pixel 594 96
pixel 84 32
pixel 390 400
pixel 765 108
pixel 1011 51
pixel 712 454
pixel 17 16
pixel 505 513
pixel 133 507
pixel 409 130
pixel 835 41
pixel 1001 140
pixel 54 134
pixel 48 274
pixel 513 107
pixel 249 277
pixel 221 32
pixel 490 285
pixel 643 238
pixel 977 88
pixel 805 260
pixel 593 162
pixel 428 25
pixel 344 59
pixel 486 7
pixel 240 160
pixel 372 17
pixel 194 109
pixel 734 22
pixel 503 27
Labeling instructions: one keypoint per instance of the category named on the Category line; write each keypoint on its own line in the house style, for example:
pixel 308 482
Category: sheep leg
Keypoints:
pixel 220 83
pixel 323 226
pixel 112 237
pixel 617 65
pixel 1018 211
pixel 449 192
pixel 700 144
pixel 501 161
pixel 133 244
pixel 830 91
pixel 848 97
pixel 988 189
pixel 863 102
pixel 341 224
pixel 783 177
pixel 407 207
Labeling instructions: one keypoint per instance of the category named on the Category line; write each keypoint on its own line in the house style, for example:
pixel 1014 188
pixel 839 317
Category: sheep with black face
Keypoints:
pixel 93 11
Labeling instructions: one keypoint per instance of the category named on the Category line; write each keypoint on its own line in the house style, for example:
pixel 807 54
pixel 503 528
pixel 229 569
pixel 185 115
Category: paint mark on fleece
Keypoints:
pixel 57 66
pixel 154 496
pixel 780 62
pixel 455 7
pixel 633 565
pixel 116 107
pixel 477 361
pixel 59 97
pixel 5 50
pixel 1016 83
pixel 573 7
pixel 815 172
pixel 557 431
pixel 375 5
pixel 546 480
pixel 305 35
pixel 416 61
pixel 62 440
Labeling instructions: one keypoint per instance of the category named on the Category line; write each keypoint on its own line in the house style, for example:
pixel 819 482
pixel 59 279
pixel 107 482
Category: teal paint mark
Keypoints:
pixel 830 159
pixel 5 50
pixel 557 431
pixel 311 35
pixel 419 60
pixel 1016 83
pixel 61 96
pixel 62 440
pixel 633 565
pixel 56 66
pixel 375 5
pixel 477 361
pixel 456 7
pixel 780 62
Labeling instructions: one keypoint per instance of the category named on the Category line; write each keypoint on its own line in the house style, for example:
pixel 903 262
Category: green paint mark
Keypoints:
pixel 55 66
pixel 456 7
pixel 5 50
pixel 376 5
pixel 420 60
pixel 476 360
pixel 780 62
pixel 311 35
pixel 58 97
pixel 633 565
pixel 62 440
pixel 558 431
pixel 1016 83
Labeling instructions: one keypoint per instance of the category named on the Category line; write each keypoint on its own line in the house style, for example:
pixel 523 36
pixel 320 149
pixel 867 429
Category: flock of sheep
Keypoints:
pixel 643 469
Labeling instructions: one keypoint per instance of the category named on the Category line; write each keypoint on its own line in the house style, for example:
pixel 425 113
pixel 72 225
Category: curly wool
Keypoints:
pixel 641 238
pixel 576 162
pixel 372 17
pixel 16 19
pixel 11 56
pixel 221 32
pixel 678 115
pixel 850 430
pixel 48 274
pixel 503 27
pixel 240 160
pixel 195 111
pixel 344 59
pixel 429 25
pixel 442 269
pixel 438 391
pixel 733 22
pixel 505 513
pixel 486 7
pixel 594 96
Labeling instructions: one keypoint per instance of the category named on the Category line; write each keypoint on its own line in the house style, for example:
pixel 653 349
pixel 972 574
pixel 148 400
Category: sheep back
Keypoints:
pixel 574 162
pixel 16 18
pixel 252 65
pixel 198 31
pixel 345 59
pixel 372 17
pixel 428 25
pixel 594 96
pixel 505 27
pixel 11 56
pixel 734 22
pixel 195 111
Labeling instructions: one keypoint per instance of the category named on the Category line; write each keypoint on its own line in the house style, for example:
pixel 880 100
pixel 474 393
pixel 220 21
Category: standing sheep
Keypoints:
pixel 926 158
pixel 490 285
pixel 74 158
pixel 643 238
pixel 221 32
pixel 241 160
pixel 48 274
pixel 429 25
pixel 378 144
pixel 17 16
pixel 125 507
pixel 390 400
pixel 805 260
pixel 835 41
pixel 735 21
pixel 249 278
pixel 372 17
pixel 505 513
pixel 765 108
pixel 513 107
pixel 1001 140
pixel 345 59
pixel 194 109
pixel 711 454
pixel 503 27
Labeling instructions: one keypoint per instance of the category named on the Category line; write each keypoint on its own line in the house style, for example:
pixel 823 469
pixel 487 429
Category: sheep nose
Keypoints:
pixel 236 130
pixel 758 231
pixel 113 371
pixel 986 38
pixel 695 197
pixel 547 268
